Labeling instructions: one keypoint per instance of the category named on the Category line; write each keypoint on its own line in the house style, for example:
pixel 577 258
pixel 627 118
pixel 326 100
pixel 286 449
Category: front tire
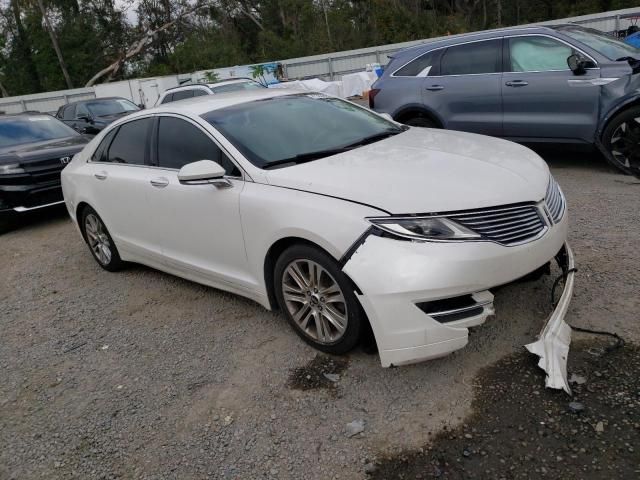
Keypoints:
pixel 99 240
pixel 621 139
pixel 318 299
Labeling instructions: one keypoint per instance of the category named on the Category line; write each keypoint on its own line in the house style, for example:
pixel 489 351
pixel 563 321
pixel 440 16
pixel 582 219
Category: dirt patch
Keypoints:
pixel 521 430
pixel 322 371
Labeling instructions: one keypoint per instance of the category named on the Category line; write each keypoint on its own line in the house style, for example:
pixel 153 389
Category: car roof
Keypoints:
pixel 94 99
pixel 207 103
pixel 228 81
pixel 484 35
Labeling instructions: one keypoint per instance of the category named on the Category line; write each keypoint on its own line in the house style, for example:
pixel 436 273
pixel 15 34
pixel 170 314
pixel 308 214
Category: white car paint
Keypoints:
pixel 221 236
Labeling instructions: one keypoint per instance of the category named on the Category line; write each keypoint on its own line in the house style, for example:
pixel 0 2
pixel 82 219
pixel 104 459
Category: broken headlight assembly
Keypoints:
pixel 423 228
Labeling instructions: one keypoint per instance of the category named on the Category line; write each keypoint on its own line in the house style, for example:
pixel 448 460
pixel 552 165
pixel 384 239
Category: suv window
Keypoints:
pixel 82 111
pixel 538 54
pixel 69 112
pixel 421 66
pixel 471 58
pixel 199 93
pixel 167 98
pixel 182 94
pixel 130 143
pixel 180 143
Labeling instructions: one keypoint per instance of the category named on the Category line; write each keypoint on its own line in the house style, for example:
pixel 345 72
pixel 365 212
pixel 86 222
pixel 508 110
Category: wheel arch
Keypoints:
pixel 274 252
pixel 79 209
pixel 633 101
pixel 412 111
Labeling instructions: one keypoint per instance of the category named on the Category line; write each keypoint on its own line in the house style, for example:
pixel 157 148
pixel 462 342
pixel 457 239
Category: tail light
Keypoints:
pixel 372 95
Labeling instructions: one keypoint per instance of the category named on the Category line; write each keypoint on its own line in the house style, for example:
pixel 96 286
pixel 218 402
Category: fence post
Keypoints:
pixel 378 57
pixel 617 24
pixel 23 104
pixel 330 62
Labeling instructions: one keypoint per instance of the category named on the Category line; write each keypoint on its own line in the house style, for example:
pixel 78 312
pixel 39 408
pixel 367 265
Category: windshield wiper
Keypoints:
pixel 306 157
pixel 376 137
pixel 309 156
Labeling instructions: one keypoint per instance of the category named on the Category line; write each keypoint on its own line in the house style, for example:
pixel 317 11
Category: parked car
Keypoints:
pixel 34 148
pixel 91 116
pixel 200 89
pixel 561 84
pixel 332 213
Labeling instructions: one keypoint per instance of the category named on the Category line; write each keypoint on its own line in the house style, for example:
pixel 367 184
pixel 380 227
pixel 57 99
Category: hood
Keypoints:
pixel 425 171
pixel 43 150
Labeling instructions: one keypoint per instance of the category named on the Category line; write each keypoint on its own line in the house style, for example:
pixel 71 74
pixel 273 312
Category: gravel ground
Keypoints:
pixel 139 374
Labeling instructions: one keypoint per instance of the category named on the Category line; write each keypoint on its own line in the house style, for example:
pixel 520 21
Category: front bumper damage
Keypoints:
pixel 553 342
pixel 397 279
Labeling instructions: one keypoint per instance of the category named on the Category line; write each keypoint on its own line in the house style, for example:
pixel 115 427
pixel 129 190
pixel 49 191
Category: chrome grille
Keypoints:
pixel 554 200
pixel 507 225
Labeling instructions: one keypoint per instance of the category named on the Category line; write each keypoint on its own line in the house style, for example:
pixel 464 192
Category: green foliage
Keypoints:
pixel 95 33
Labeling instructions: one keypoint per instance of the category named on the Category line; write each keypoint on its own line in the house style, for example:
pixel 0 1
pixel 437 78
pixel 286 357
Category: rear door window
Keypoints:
pixel 130 143
pixel 472 58
pixel 167 98
pixel 422 66
pixel 199 93
pixel 180 143
pixel 181 95
pixel 69 112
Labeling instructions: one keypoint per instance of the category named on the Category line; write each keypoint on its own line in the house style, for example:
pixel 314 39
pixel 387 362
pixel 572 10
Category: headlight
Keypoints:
pixel 10 169
pixel 426 228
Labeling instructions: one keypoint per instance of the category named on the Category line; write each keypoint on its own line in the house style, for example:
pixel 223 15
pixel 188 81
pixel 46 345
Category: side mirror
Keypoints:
pixel 84 118
pixel 203 172
pixel 141 106
pixel 577 64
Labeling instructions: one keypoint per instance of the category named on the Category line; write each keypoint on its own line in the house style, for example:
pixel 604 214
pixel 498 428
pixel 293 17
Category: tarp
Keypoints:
pixel 313 85
pixel 354 84
pixel 351 85
pixel 633 40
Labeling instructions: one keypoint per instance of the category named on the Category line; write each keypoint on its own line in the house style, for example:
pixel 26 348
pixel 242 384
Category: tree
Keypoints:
pixel 56 47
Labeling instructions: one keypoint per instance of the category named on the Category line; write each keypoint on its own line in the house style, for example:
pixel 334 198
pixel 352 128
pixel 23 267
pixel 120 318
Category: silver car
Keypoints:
pixel 563 84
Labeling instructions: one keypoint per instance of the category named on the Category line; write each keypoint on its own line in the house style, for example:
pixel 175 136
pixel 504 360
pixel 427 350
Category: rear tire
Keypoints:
pixel 318 299
pixel 99 240
pixel 621 140
pixel 423 122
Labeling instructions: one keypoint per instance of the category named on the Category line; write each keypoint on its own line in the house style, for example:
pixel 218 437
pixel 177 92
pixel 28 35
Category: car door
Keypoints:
pixel 542 98
pixel 199 225
pixel 82 119
pixel 120 184
pixel 466 92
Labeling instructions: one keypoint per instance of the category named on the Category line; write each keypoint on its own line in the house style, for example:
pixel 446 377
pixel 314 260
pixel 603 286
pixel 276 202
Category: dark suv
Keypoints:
pixel 561 84
pixel 91 116
pixel 34 148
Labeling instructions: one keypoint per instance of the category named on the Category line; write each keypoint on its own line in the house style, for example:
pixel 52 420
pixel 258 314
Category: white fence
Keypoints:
pixel 330 66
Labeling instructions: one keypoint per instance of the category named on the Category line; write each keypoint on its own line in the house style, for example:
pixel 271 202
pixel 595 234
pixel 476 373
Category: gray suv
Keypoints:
pixel 563 84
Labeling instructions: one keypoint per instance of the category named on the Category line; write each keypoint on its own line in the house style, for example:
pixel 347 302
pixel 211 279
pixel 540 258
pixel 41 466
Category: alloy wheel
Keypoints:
pixel 98 239
pixel 625 142
pixel 315 301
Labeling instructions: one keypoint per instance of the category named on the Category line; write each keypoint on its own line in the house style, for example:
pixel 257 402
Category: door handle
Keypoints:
pixel 517 83
pixel 435 88
pixel 101 175
pixel 160 182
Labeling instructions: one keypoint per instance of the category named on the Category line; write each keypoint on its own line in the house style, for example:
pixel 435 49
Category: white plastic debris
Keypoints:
pixel 553 342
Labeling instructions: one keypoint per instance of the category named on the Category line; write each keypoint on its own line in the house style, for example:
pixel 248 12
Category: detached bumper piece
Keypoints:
pixel 553 342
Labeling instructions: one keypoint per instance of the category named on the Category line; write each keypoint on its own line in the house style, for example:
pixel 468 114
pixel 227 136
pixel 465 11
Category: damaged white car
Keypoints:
pixel 337 216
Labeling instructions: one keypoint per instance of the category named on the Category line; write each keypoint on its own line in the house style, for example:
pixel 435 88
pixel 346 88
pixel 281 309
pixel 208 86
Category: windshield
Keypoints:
pixel 606 45
pixel 234 87
pixel 102 108
pixel 297 127
pixel 21 130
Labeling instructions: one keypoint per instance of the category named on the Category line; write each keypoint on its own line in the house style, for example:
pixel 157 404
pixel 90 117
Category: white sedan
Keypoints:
pixel 342 219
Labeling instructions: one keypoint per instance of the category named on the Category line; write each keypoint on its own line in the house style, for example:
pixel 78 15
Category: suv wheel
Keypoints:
pixel 621 139
pixel 420 122
pixel 318 299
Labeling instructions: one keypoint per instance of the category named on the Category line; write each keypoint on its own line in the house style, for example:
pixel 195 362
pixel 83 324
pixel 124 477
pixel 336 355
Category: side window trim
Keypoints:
pixel 507 57
pixel 206 133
